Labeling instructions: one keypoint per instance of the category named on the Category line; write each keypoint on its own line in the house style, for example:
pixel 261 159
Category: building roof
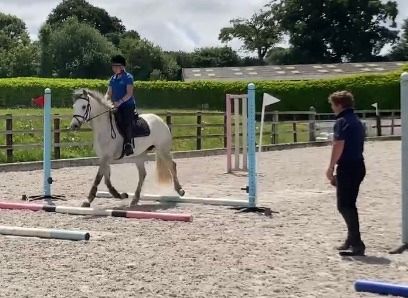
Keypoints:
pixel 287 72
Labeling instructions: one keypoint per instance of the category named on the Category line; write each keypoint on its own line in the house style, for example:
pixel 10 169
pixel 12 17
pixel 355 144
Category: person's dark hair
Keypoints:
pixel 118 59
pixel 343 98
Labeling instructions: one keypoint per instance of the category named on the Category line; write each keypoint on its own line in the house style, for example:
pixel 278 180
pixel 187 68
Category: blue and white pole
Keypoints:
pixel 404 153
pixel 47 145
pixel 251 131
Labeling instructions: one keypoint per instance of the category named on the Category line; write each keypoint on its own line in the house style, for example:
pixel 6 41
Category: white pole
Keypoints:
pixel 44 233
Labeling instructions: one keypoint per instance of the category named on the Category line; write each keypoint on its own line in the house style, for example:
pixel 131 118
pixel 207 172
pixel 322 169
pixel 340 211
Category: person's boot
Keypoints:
pixel 359 249
pixel 353 242
pixel 128 146
pixel 356 250
pixel 345 246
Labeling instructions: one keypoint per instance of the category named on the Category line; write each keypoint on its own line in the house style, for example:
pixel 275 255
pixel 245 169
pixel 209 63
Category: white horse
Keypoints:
pixel 93 107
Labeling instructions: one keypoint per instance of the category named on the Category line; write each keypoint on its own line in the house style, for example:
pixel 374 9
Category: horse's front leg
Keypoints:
pixel 111 188
pixel 94 188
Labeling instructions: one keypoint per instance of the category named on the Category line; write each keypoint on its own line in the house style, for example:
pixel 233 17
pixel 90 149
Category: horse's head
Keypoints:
pixel 82 108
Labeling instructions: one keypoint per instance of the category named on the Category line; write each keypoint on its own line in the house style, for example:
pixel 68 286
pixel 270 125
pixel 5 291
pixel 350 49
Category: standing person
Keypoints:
pixel 120 90
pixel 347 153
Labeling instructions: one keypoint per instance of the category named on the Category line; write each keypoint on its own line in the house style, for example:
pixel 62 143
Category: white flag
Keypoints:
pixel 269 99
pixel 375 105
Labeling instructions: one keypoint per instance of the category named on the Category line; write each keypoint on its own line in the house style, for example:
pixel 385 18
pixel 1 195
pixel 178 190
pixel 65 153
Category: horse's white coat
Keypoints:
pixel 91 106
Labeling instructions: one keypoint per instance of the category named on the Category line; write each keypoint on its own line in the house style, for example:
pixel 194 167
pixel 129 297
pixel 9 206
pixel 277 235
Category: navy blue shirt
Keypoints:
pixel 349 128
pixel 118 83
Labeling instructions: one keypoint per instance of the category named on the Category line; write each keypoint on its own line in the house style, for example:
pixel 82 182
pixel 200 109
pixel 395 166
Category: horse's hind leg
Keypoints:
pixel 172 167
pixel 142 175
pixel 94 188
pixel 173 170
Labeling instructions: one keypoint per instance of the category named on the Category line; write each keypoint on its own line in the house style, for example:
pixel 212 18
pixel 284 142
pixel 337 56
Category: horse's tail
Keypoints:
pixel 162 168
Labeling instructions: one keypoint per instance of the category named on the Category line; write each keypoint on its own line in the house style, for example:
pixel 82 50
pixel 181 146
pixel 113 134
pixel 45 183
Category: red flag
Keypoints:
pixel 38 101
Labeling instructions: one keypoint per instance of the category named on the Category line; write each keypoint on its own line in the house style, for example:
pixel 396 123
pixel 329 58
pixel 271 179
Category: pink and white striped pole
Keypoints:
pixel 97 212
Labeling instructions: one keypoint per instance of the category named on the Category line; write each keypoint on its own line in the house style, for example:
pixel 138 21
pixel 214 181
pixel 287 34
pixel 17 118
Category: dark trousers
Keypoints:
pixel 125 118
pixel 349 177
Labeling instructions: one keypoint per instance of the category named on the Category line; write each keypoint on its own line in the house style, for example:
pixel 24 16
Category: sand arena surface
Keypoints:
pixel 220 253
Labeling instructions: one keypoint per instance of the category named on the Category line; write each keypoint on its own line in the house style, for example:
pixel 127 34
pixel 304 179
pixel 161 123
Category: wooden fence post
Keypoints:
pixel 9 137
pixel 312 124
pixel 275 133
pixel 57 137
pixel 199 127
pixel 294 129
pixel 378 120
pixel 392 122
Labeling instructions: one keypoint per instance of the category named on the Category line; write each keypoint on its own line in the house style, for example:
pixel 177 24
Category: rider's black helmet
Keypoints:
pixel 118 59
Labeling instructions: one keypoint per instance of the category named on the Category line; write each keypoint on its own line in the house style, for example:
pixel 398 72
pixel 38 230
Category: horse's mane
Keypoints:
pixel 98 96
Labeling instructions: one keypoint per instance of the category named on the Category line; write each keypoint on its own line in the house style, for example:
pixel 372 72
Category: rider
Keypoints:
pixel 120 90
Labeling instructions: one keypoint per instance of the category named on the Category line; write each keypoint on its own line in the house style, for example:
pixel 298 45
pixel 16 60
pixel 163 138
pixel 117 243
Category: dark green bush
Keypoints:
pixel 294 95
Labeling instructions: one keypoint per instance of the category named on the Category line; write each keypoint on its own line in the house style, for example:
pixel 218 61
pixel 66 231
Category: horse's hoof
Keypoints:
pixel 134 203
pixel 181 192
pixel 86 205
pixel 124 195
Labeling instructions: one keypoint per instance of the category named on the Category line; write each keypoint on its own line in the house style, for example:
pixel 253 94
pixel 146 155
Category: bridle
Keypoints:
pixel 86 117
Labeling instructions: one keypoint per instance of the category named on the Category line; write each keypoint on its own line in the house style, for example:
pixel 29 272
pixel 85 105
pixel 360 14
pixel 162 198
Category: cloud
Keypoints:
pixel 173 25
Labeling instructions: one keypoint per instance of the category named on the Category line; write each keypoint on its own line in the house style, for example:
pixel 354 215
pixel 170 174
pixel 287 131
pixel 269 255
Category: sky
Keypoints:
pixel 171 24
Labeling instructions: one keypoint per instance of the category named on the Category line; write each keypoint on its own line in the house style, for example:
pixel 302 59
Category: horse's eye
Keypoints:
pixel 84 107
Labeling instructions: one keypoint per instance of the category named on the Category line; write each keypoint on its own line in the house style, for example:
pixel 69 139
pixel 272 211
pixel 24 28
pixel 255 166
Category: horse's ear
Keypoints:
pixel 84 93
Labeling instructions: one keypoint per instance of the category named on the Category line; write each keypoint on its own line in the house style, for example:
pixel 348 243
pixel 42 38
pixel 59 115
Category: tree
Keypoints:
pixel 18 56
pixel 25 61
pixel 280 55
pixel 96 17
pixel 170 69
pixel 338 30
pixel 116 37
pixel 78 50
pixel 13 32
pixel 183 59
pixel 259 33
pixel 215 57
pixel 46 64
pixel 400 51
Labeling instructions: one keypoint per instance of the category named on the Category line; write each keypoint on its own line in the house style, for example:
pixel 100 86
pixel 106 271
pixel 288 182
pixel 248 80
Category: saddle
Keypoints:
pixel 140 128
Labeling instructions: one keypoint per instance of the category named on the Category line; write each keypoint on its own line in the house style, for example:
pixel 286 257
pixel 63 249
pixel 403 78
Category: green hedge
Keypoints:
pixel 295 95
